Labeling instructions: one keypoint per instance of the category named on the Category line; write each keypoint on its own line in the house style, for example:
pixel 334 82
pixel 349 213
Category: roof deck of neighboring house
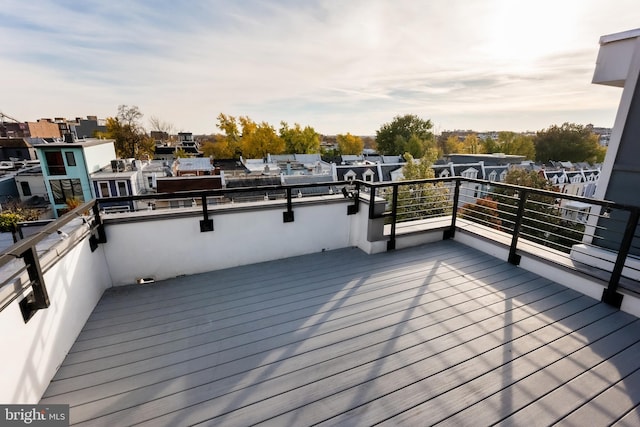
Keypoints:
pixel 313 310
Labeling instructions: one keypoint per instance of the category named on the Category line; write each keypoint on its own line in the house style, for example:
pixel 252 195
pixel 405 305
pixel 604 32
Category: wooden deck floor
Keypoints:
pixel 439 334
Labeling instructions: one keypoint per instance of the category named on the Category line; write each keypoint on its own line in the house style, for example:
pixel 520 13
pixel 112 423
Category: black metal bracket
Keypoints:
pixel 38 298
pixel 514 259
pixel 612 298
pixel 288 215
pixel 448 234
pixel 206 224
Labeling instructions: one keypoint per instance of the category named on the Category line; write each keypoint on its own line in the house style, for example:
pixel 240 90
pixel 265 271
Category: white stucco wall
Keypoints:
pixel 169 246
pixel 34 351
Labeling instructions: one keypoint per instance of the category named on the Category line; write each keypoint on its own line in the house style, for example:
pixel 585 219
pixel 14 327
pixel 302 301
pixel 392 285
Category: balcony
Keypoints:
pixel 386 303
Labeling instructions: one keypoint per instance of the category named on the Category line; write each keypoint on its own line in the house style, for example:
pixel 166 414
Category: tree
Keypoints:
pixel 229 125
pixel 298 140
pixel 158 125
pixel 471 144
pixel 515 143
pixel 258 140
pixel 180 153
pixel 541 221
pixel 408 133
pixel 569 142
pixel 420 200
pixel 130 138
pixel 216 146
pixel 349 144
pixel 483 211
pixel 452 145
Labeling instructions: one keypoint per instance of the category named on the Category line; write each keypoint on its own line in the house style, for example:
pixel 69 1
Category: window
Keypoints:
pixel 63 189
pixel 55 163
pixel 103 189
pixel 71 159
pixel 26 190
pixel 122 188
pixel 350 175
pixel 445 173
pixel 470 173
pixel 493 175
pixel 503 176
pixel 150 181
pixel 368 175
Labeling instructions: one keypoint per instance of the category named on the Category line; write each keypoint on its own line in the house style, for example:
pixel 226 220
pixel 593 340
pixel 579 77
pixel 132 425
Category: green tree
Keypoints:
pixel 408 133
pixel 300 140
pixel 516 143
pixel 421 200
pixel 569 142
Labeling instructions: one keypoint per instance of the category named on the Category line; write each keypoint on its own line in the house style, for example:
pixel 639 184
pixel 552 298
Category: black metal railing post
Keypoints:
pixel 514 258
pixel 101 237
pixel 288 215
pixel 353 209
pixel 206 224
pixel 451 232
pixel 610 294
pixel 372 202
pixel 391 244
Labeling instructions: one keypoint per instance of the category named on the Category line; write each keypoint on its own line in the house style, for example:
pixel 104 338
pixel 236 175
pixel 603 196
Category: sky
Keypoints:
pixel 336 65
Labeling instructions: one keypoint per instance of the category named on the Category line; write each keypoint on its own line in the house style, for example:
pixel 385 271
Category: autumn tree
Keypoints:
pixel 231 138
pixel 349 144
pixel 542 221
pixel 299 140
pixel 471 144
pixel 452 145
pixel 216 146
pixel 129 136
pixel 569 142
pixel 408 133
pixel 258 140
pixel 483 211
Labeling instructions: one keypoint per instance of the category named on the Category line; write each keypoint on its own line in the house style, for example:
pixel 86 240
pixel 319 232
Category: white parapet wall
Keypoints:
pixel 171 244
pixel 32 352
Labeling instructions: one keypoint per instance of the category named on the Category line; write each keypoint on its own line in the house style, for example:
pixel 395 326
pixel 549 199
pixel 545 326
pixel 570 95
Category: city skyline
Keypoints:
pixel 482 65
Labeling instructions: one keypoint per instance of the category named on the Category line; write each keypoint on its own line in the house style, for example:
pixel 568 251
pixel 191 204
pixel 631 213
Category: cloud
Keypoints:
pixel 338 66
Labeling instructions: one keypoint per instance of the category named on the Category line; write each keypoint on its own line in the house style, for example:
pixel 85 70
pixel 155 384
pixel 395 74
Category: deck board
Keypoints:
pixel 438 333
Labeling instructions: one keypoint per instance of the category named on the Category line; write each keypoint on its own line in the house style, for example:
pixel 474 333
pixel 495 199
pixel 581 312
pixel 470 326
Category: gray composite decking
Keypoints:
pixel 438 334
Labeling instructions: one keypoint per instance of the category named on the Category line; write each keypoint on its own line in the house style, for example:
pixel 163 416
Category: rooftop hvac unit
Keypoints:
pixel 118 165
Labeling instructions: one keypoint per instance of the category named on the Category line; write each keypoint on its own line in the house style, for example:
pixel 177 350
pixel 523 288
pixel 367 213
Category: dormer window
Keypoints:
pixel 350 175
pixel 493 175
pixel 445 174
pixel 368 175
pixel 470 173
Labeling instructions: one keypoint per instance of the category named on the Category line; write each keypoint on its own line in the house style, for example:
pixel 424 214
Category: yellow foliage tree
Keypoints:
pixel 349 144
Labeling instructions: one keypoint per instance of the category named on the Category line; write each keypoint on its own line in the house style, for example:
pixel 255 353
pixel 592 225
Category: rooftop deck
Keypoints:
pixel 439 333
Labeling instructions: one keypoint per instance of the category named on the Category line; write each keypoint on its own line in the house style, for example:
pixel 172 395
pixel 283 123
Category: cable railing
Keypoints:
pixel 596 237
